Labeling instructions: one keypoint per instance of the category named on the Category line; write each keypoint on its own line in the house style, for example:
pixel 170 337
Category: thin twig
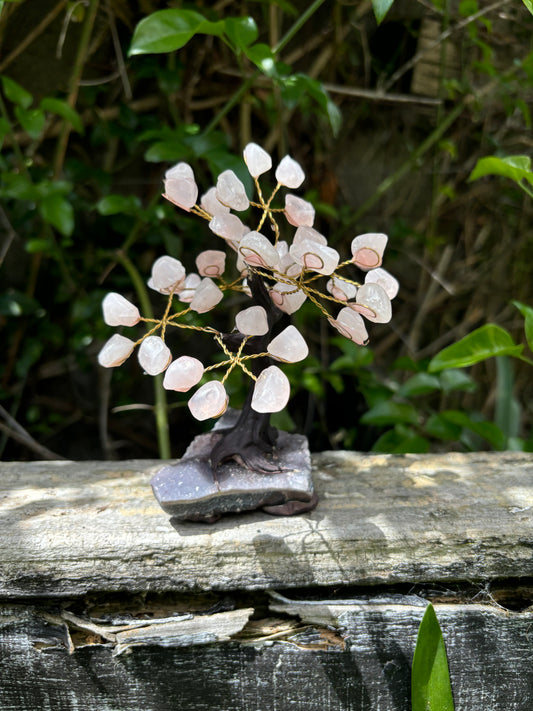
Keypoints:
pixel 14 430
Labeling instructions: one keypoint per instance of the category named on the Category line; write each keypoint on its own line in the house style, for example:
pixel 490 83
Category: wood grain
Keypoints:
pixel 67 528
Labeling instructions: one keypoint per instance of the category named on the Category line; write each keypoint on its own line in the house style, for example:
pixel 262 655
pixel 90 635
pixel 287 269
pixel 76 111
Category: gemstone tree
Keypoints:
pixel 276 276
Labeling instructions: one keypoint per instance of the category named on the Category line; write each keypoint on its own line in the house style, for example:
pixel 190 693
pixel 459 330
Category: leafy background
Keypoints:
pixel 388 119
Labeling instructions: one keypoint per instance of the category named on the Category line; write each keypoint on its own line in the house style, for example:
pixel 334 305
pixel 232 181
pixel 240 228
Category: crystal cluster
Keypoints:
pixel 290 273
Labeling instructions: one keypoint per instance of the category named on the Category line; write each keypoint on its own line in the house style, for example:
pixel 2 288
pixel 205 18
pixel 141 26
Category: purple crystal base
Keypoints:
pixel 190 491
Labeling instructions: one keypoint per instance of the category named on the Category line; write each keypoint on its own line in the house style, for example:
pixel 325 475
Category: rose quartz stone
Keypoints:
pixel 228 226
pixel 367 250
pixel 118 311
pixel 308 233
pixel 180 186
pixel 286 297
pixel 154 355
pixel 115 351
pixel 288 346
pixel 211 400
pixel 298 211
pixel 341 289
pixel 183 373
pixel 258 251
pixel 186 293
pixel 231 192
pixel 252 321
pixel 257 160
pixel 206 296
pixel 315 256
pixel 385 280
pixel 211 204
pixel 167 274
pixel 271 391
pixel 289 173
pixel 211 263
pixel 373 303
pixel 351 325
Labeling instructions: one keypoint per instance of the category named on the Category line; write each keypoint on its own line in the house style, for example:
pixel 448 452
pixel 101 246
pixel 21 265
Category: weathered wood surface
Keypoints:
pixel 69 528
pixel 360 661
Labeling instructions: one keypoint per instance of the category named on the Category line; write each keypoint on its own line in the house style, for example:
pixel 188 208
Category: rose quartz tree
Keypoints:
pixel 274 277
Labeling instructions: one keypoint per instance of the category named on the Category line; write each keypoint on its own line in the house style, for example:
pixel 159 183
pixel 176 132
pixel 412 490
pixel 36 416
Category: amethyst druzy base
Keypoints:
pixel 190 491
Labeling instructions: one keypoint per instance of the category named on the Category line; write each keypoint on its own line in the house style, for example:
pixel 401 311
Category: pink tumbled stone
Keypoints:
pixel 373 303
pixel 206 296
pixel 154 355
pixel 183 373
pixel 298 211
pixel 186 293
pixel 115 351
pixel 341 289
pixel 308 233
pixel 289 173
pixel 257 160
pixel 252 321
pixel 351 325
pixel 231 192
pixel 288 346
pixel 228 226
pixel 180 186
pixel 385 280
pixel 211 263
pixel 258 251
pixel 118 311
pixel 212 205
pixel 315 256
pixel 367 250
pixel 286 297
pixel 272 390
pixel 167 274
pixel 211 400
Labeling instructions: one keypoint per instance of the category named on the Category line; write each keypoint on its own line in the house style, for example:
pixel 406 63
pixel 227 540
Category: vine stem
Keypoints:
pixel 160 396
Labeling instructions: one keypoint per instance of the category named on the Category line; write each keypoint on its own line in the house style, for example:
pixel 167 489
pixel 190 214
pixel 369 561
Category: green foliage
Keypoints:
pixel 381 8
pixel 430 678
pixel 517 168
pixel 485 342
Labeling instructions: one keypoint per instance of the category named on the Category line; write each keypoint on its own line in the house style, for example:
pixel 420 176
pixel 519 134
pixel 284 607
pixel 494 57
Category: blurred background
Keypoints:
pixel 388 121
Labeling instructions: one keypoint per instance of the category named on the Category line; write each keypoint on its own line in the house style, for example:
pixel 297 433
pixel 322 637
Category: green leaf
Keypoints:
pixel 455 379
pixel 441 428
pixel 295 86
pixel 15 93
pixel 401 440
pixel 31 120
pixel 168 30
pixel 264 59
pixel 5 127
pixel 485 342
pixel 61 108
pixel 114 204
pixel 58 211
pixel 517 168
pixel 381 8
pixel 388 412
pixel 527 313
pixel 486 430
pixel 241 31
pixel 20 187
pixel 431 689
pixel 529 5
pixel 419 384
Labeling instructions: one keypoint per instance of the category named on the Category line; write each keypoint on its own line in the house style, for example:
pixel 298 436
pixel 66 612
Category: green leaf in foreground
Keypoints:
pixel 485 342
pixel 168 30
pixel 61 108
pixel 431 689
pixel 527 313
pixel 16 93
pixel 529 5
pixel 381 8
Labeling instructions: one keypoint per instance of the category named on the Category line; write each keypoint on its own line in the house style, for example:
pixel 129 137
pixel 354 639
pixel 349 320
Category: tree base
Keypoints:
pixel 191 491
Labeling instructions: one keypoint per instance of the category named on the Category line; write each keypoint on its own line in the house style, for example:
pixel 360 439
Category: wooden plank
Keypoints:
pixel 67 528
pixel 489 651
